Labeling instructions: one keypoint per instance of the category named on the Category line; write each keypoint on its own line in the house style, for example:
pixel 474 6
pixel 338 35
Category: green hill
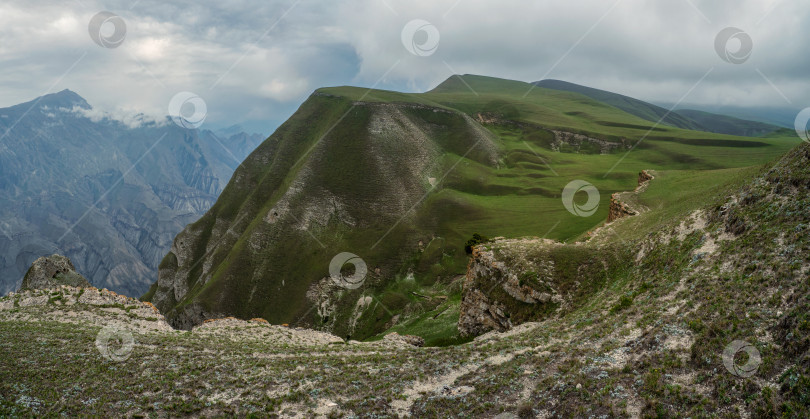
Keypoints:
pixel 684 118
pixel 639 108
pixel 728 124
pixel 403 181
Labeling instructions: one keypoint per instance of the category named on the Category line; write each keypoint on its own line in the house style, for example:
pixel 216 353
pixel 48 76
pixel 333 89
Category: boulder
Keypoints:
pixel 51 272
pixel 412 340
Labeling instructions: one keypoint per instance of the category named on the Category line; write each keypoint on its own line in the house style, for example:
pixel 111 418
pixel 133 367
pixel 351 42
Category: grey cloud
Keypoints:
pixel 652 50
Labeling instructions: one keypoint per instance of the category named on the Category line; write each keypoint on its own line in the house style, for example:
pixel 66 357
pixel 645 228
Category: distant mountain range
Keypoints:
pixel 681 118
pixel 109 195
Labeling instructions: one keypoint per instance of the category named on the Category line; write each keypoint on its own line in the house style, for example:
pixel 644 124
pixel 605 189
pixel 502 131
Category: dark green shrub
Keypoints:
pixel 475 240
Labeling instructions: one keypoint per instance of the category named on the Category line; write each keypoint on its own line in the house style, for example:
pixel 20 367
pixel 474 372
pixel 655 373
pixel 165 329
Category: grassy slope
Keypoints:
pixel 630 105
pixel 671 196
pixel 688 171
pixel 687 119
pixel 658 355
pixel 530 189
pixel 518 197
pixel 728 124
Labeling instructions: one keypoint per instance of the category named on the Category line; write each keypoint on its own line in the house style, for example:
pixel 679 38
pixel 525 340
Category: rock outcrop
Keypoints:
pixel 490 282
pixel 407 339
pixel 619 209
pixel 509 282
pixel 562 141
pixel 580 143
pixel 52 272
pixel 644 176
pixel 512 281
pixel 625 204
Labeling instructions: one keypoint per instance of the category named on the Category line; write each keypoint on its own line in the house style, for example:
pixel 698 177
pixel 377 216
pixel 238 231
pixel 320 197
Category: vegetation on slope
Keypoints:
pixel 709 270
pixel 403 181
pixel 641 109
pixel 682 118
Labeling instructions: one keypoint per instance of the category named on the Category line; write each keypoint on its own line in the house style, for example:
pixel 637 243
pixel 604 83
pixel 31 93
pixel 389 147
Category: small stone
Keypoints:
pixel 579 386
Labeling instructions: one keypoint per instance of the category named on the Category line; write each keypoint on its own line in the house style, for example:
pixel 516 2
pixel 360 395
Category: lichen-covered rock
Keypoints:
pixel 479 314
pixel 512 281
pixel 497 283
pixel 51 272
pixel 625 204
pixel 408 339
pixel 87 306
pixel 619 209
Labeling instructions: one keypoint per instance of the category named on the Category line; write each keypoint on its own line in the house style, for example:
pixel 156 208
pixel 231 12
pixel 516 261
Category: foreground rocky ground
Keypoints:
pixel 706 316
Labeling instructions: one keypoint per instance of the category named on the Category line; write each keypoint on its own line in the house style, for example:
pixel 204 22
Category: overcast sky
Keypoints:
pixel 254 62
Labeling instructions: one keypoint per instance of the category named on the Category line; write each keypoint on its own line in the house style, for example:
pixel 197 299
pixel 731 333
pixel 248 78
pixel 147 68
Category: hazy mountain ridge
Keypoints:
pixel 147 182
pixel 681 118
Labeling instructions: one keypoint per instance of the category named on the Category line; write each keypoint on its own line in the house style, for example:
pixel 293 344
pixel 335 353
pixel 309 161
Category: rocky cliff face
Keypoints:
pixel 559 140
pixel 624 204
pixel 482 312
pixel 108 196
pixel 509 282
pixel 512 281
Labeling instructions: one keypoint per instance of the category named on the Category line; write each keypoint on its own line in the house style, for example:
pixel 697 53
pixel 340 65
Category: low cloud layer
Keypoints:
pixel 253 62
